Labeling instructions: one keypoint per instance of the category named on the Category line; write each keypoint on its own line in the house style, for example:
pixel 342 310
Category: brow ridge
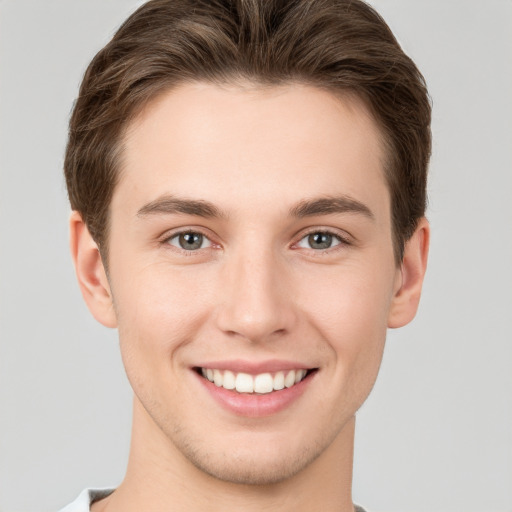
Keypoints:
pixel 329 205
pixel 169 204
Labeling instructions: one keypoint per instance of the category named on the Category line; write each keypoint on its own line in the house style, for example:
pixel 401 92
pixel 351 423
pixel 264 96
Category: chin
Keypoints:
pixel 264 460
pixel 252 470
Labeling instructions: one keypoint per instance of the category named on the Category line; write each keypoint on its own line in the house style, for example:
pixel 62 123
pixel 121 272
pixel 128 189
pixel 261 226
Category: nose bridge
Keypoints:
pixel 256 303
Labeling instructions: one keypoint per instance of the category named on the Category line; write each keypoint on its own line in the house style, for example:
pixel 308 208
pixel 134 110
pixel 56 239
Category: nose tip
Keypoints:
pixel 253 328
pixel 257 305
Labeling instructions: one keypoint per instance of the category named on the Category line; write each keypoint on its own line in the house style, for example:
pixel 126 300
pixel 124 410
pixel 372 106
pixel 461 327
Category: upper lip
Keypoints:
pixel 254 367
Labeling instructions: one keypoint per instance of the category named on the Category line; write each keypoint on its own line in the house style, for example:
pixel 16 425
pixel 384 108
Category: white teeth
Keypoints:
pixel 279 381
pixel 246 383
pixel 217 378
pixel 263 383
pixel 299 375
pixel 289 380
pixel 229 380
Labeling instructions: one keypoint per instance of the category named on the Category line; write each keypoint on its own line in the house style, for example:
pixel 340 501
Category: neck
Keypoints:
pixel 160 478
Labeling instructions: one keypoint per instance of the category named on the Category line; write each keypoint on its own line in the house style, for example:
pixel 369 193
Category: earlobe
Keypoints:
pixel 90 272
pixel 407 296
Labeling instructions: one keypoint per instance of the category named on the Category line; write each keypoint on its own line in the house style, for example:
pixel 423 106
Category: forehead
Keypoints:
pixel 253 143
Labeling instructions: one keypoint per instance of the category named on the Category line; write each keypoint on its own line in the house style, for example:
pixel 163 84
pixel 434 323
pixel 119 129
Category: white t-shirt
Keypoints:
pixel 89 496
pixel 86 499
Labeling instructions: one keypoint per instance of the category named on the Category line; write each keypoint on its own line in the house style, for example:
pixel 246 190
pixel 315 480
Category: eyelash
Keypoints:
pixel 166 240
pixel 343 241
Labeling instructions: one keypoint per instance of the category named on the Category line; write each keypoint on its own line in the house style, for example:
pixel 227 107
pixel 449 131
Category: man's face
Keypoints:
pixel 250 242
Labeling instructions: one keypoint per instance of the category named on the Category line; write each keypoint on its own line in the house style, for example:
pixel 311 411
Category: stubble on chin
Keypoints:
pixel 247 468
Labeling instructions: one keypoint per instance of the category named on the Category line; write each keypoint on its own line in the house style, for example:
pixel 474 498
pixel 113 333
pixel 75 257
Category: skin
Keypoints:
pixel 255 290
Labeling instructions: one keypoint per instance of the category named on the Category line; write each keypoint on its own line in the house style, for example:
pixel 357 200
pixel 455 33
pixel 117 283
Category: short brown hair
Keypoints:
pixel 339 45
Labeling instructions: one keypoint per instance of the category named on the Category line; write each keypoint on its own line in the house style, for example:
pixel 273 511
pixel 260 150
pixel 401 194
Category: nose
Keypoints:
pixel 257 300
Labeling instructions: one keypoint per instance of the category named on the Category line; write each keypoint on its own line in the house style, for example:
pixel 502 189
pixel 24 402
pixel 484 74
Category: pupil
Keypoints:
pixel 191 240
pixel 320 240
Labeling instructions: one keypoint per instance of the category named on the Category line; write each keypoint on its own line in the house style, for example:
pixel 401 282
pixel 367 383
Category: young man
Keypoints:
pixel 248 185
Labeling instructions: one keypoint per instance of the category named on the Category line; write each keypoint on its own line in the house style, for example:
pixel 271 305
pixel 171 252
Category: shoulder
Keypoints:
pixel 86 499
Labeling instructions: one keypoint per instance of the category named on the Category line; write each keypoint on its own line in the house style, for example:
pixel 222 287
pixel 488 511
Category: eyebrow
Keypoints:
pixel 170 205
pixel 328 205
pixel 307 208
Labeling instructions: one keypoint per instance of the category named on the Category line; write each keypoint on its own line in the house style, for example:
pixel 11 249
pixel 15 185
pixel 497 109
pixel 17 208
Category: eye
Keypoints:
pixel 319 240
pixel 189 241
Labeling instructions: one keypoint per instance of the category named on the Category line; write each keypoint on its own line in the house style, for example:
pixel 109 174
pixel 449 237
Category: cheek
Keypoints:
pixel 355 298
pixel 158 311
pixel 350 312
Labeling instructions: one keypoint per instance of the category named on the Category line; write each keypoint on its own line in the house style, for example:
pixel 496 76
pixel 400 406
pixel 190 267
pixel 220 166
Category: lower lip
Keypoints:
pixel 254 405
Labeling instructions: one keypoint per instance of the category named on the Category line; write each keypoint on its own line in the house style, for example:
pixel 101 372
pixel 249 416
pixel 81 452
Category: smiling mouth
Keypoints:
pixel 261 383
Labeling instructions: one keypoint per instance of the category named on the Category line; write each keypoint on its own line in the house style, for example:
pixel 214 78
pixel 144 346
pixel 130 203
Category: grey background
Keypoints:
pixel 436 435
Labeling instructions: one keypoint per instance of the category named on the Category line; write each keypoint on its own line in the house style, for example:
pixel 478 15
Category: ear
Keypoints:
pixel 414 264
pixel 90 272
